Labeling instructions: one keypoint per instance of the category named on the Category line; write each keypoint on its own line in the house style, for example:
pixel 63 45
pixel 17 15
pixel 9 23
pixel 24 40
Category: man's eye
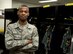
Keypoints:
pixel 21 11
pixel 24 11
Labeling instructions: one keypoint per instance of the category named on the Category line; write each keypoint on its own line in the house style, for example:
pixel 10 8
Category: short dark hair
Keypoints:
pixel 23 6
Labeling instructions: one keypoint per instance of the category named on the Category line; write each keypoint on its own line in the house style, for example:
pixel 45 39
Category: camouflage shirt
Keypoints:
pixel 16 37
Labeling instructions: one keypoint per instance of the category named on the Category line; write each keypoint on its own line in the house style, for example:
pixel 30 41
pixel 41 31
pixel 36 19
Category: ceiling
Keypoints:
pixel 35 2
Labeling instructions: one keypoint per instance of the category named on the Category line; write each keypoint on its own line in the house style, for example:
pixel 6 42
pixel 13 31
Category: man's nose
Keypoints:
pixel 23 13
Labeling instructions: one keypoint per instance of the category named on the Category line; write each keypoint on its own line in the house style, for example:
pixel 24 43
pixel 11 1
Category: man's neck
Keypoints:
pixel 22 23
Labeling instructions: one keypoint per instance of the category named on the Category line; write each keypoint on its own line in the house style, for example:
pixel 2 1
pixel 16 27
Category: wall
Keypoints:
pixel 5 4
pixel 16 4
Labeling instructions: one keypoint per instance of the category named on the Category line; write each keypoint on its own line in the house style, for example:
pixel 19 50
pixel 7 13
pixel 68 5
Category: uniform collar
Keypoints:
pixel 17 25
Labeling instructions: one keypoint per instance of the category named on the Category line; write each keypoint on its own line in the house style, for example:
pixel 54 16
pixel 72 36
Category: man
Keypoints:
pixel 22 37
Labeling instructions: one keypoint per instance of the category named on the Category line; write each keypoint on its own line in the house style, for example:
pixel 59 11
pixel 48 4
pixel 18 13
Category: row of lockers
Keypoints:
pixel 51 12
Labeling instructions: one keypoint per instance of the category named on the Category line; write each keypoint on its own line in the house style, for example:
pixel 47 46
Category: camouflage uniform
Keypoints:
pixel 16 38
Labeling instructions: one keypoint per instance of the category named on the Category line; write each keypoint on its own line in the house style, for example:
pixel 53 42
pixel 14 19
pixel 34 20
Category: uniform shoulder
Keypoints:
pixel 32 26
pixel 12 25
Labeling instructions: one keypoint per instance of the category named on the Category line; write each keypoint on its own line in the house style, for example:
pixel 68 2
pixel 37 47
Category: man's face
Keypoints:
pixel 23 13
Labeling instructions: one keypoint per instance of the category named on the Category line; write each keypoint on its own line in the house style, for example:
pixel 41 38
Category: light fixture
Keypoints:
pixel 45 6
pixel 45 1
pixel 69 4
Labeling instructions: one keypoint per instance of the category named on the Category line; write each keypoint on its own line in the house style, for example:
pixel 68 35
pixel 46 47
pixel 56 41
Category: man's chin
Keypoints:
pixel 23 19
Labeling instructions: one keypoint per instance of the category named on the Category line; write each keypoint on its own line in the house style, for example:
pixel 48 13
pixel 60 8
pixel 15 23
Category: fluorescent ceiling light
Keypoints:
pixel 45 6
pixel 69 4
pixel 47 1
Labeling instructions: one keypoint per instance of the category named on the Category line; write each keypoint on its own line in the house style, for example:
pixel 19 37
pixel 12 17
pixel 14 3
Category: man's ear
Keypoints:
pixel 17 12
pixel 28 14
